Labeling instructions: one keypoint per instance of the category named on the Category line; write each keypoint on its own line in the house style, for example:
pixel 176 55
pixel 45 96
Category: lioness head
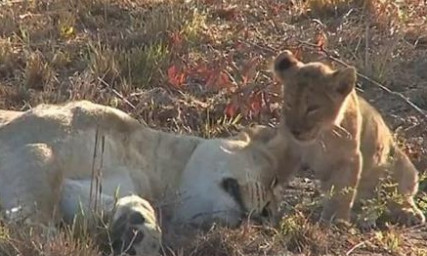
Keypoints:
pixel 227 182
pixel 313 94
pixel 256 202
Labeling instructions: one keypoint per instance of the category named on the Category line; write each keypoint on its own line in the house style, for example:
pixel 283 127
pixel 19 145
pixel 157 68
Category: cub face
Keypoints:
pixel 313 95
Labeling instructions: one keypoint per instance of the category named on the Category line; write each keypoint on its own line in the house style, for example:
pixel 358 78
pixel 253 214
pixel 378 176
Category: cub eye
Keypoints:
pixel 312 109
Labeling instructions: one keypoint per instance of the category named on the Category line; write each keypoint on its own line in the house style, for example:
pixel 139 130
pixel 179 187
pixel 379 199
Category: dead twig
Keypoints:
pixel 352 249
pixel 419 110
pixel 264 48
pixel 422 112
pixel 116 93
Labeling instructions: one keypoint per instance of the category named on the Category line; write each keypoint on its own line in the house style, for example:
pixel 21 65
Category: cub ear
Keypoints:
pixel 283 62
pixel 345 80
pixel 274 183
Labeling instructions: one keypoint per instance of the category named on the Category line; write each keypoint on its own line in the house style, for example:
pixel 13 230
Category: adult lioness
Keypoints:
pixel 342 138
pixel 60 160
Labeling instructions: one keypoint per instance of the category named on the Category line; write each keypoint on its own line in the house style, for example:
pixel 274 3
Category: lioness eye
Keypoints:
pixel 312 109
pixel 265 211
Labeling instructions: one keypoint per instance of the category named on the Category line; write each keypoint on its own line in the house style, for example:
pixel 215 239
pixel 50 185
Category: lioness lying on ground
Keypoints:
pixel 343 139
pixel 54 159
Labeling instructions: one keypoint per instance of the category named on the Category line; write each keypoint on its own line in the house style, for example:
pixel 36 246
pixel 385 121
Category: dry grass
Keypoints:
pixel 201 67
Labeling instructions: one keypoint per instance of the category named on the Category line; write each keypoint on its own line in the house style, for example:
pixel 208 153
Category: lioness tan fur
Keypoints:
pixel 57 161
pixel 343 139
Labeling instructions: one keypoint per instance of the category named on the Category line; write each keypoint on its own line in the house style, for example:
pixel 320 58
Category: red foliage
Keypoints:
pixel 213 74
pixel 176 40
pixel 249 70
pixel 176 77
pixel 231 109
pixel 255 103
pixel 218 80
pixel 321 41
pixel 251 105
pixel 297 52
pixel 227 12
pixel 277 8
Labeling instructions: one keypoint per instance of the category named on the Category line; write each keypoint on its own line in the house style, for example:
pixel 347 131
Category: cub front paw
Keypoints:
pixel 333 215
pixel 134 229
pixel 408 217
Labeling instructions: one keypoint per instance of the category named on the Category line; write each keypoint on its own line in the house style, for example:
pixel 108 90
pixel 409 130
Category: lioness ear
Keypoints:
pixel 345 80
pixel 284 62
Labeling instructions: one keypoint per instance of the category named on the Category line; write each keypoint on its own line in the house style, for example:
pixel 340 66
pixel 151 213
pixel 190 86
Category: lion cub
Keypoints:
pixel 343 139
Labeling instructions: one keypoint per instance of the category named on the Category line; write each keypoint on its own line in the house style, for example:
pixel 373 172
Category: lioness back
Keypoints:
pixel 48 121
pixel 8 115
pixel 343 139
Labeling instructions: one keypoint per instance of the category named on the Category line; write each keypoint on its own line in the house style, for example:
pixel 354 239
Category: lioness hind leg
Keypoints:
pixel 29 184
pixel 403 209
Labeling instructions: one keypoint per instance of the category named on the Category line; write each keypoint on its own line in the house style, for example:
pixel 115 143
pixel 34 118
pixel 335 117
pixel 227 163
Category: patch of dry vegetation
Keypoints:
pixel 30 240
pixel 201 67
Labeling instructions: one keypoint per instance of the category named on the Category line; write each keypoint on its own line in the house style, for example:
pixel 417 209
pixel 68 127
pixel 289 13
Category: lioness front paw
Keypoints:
pixel 134 229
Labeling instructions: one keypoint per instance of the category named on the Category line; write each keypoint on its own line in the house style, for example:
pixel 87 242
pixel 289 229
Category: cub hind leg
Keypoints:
pixel 394 183
pixel 30 183
pixel 404 173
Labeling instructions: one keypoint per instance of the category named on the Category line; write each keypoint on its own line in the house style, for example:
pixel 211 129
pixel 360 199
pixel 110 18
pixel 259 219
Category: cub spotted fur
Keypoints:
pixel 48 159
pixel 343 139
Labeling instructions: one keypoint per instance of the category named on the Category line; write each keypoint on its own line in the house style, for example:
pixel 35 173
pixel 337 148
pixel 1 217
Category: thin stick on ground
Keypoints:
pixel 116 93
pixel 352 249
pixel 419 110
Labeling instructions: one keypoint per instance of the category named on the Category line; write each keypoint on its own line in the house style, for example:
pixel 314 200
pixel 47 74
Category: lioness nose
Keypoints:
pixel 296 131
